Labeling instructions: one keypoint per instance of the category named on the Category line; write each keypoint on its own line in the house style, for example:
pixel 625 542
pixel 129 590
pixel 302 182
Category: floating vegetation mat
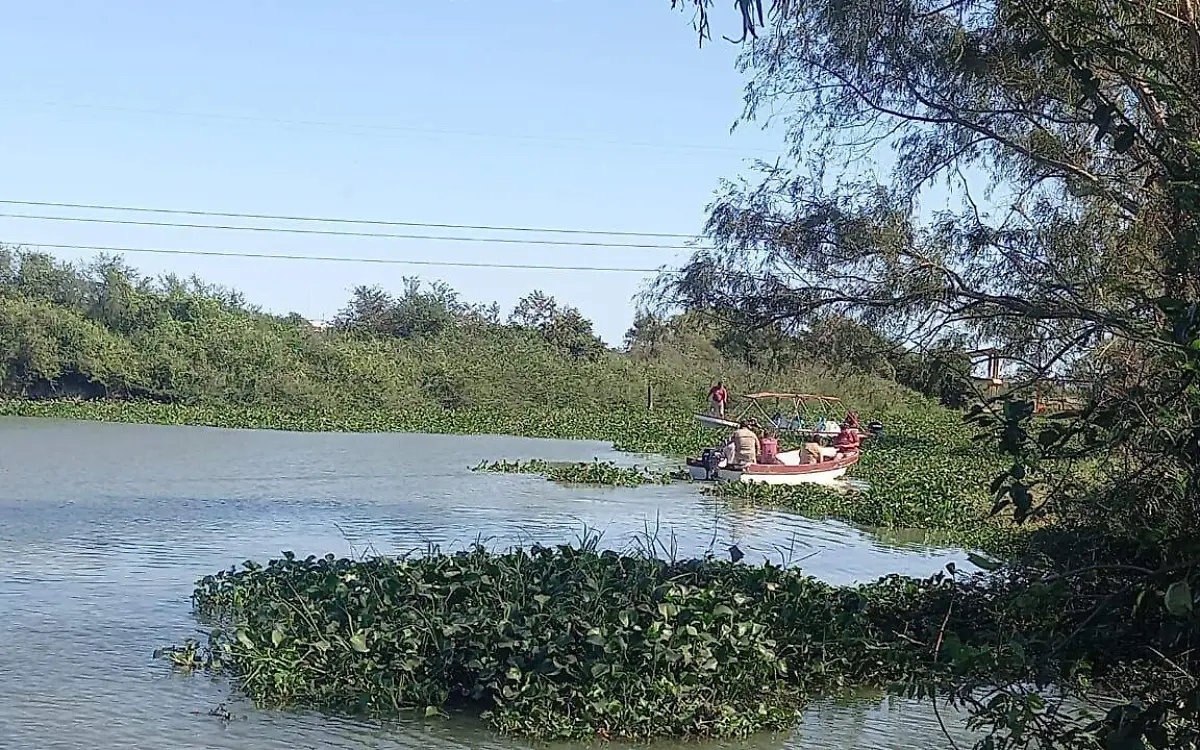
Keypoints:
pixel 594 472
pixel 561 643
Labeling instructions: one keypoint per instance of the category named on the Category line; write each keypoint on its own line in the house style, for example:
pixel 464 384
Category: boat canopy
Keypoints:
pixel 806 413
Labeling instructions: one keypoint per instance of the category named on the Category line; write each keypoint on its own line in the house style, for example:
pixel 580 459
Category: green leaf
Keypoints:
pixel 596 638
pixel 1049 436
pixel 244 639
pixel 1033 46
pixel 722 611
pixel 998 483
pixel 358 642
pixel 1179 599
pixel 276 637
pixel 322 645
pixel 1022 499
pixel 431 711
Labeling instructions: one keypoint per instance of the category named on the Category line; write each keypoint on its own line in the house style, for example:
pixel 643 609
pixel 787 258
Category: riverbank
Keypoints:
pixel 628 429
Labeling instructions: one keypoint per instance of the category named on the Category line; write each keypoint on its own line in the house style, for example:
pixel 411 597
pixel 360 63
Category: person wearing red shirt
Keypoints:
pixel 717 396
pixel 848 440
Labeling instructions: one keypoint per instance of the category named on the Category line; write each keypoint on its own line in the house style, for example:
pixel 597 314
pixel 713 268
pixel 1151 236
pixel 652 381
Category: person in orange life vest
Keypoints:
pixel 717 396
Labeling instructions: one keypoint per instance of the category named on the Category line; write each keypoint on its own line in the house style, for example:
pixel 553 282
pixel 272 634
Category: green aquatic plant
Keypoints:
pixel 595 472
pixel 875 508
pixel 577 643
pixel 549 643
pixel 534 466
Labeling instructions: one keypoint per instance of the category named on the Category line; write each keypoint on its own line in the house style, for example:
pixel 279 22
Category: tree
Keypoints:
pixel 416 313
pixel 1070 135
pixel 844 341
pixel 563 326
pixel 648 335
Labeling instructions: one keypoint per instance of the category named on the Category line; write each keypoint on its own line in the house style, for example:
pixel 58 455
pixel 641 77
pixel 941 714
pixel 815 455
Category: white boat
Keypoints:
pixel 786 470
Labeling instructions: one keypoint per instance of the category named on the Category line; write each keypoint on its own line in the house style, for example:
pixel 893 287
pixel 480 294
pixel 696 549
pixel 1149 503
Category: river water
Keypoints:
pixel 107 526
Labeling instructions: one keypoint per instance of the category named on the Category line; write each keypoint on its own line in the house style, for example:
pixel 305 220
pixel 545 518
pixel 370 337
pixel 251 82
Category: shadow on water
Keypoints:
pixel 108 526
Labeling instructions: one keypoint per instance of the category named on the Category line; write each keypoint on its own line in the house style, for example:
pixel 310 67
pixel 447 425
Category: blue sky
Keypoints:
pixel 538 113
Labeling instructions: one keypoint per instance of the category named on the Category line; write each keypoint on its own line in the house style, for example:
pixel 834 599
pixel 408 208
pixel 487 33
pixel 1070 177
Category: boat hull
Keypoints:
pixel 812 477
pixel 781 474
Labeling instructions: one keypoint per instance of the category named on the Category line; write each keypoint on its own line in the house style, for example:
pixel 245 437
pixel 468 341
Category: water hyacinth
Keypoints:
pixel 556 643
pixel 595 472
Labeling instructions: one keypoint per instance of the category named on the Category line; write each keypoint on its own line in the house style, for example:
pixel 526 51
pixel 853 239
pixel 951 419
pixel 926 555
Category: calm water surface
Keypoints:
pixel 106 527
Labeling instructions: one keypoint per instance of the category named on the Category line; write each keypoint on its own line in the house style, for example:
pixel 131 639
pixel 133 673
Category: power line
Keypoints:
pixel 393 130
pixel 326 220
pixel 342 259
pixel 342 233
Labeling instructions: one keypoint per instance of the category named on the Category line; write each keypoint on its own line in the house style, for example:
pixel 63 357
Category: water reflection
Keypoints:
pixel 107 526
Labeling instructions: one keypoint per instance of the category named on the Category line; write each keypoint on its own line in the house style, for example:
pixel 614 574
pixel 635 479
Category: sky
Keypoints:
pixel 542 113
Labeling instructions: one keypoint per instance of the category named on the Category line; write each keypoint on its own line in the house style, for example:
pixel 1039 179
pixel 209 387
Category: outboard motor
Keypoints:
pixel 875 427
pixel 711 459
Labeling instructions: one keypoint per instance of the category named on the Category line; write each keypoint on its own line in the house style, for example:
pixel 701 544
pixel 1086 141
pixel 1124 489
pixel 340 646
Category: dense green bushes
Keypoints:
pixel 105 332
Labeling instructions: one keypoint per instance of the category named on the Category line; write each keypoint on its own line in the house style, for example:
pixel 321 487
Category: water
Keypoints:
pixel 106 527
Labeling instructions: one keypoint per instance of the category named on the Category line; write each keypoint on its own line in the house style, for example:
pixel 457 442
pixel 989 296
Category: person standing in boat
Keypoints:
pixel 717 396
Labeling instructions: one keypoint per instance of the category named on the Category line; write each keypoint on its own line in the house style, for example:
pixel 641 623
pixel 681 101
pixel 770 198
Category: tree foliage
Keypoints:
pixel 1068 136
pixel 561 325
pixel 415 314
pixel 102 331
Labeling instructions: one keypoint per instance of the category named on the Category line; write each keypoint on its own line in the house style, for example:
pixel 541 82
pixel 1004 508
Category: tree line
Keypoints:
pixel 102 330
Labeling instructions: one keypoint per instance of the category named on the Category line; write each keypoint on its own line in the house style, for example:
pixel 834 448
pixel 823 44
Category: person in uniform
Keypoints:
pixel 745 445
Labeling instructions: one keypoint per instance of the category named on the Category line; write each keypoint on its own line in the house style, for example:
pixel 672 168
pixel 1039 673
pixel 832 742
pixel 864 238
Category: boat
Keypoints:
pixel 786 470
pixel 810 418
